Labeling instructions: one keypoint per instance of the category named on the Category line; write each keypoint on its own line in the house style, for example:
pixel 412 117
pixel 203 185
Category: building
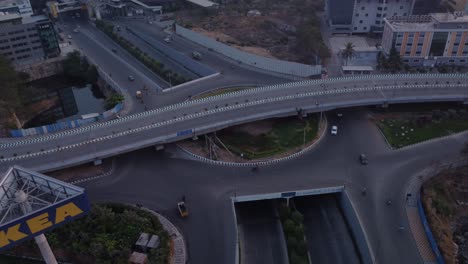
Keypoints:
pixel 363 16
pixel 56 8
pixel 27 39
pixel 429 40
pixel 133 8
pixel 22 7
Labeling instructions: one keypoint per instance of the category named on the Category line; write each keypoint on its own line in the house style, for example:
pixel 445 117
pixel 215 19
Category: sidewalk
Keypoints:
pixel 179 253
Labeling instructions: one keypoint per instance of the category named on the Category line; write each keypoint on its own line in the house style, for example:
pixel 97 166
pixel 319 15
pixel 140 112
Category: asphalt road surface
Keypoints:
pixel 261 233
pixel 158 181
pixel 328 236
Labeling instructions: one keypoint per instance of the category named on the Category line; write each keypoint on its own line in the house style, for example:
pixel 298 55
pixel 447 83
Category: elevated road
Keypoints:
pixel 187 119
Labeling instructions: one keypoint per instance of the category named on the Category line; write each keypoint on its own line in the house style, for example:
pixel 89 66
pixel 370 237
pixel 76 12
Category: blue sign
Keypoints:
pixel 185 132
pixel 30 226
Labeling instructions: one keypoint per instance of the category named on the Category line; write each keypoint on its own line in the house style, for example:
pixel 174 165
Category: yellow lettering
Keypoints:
pixel 70 209
pixel 13 234
pixel 39 223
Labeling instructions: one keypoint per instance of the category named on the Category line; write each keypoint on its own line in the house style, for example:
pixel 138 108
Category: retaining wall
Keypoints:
pixel 274 65
pixel 356 229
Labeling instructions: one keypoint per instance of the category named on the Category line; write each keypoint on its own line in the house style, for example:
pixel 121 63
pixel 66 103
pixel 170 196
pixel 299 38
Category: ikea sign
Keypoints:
pixel 29 226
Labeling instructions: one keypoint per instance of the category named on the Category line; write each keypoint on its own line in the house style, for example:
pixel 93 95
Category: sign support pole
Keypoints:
pixel 22 199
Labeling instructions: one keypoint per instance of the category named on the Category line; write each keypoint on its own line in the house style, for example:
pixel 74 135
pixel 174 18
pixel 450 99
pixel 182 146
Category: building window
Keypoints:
pixel 362 8
pixel 377 22
pixel 357 14
pixel 401 7
pixel 462 60
pixel 379 8
pixel 404 14
pixel 364 28
pixel 415 60
pixel 459 26
pixel 451 61
pixel 355 28
pixel 367 15
pixel 379 15
pixel 360 21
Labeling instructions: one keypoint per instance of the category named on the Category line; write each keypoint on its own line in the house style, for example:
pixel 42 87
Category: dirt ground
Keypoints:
pixel 81 171
pixel 445 200
pixel 270 33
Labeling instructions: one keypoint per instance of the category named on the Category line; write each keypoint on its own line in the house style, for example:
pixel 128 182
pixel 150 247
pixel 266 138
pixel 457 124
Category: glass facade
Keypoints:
pixel 48 39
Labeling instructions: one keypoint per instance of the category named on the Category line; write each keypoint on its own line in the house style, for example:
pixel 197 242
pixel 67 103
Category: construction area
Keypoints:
pixel 285 30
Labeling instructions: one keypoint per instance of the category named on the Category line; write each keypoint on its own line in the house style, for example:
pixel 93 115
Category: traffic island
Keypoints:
pixel 402 129
pixel 260 141
pixel 109 234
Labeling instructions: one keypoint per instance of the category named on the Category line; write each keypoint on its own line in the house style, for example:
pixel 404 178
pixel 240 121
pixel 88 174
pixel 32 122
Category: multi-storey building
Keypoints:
pixel 27 39
pixel 428 40
pixel 363 16
pixel 16 6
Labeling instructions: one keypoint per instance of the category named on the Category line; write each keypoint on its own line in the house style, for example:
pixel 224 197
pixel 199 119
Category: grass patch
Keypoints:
pixel 403 132
pixel 285 134
pixel 106 235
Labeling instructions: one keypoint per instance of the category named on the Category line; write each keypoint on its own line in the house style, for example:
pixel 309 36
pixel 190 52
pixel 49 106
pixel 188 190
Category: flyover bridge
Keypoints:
pixel 187 119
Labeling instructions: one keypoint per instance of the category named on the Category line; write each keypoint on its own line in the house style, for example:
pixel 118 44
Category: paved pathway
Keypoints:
pixel 179 254
pixel 419 235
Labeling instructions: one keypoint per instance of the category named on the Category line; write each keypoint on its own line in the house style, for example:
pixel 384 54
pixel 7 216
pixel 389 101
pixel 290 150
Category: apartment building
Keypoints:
pixel 363 16
pixel 27 39
pixel 428 40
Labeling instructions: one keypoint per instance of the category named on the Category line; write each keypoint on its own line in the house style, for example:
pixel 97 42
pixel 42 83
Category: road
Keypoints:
pixel 260 231
pixel 197 117
pixel 328 236
pixel 157 181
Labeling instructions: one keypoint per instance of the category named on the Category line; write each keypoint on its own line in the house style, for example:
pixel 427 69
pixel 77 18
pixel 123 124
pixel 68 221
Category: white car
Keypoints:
pixel 334 130
pixel 167 39
pixel 70 37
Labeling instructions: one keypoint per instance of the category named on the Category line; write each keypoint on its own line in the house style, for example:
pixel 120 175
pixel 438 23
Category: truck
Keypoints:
pixel 196 55
pixel 182 209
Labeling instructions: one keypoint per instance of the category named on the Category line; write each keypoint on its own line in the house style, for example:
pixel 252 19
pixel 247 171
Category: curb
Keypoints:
pixel 415 184
pixel 257 163
pixel 180 249
pixel 225 87
pixel 105 174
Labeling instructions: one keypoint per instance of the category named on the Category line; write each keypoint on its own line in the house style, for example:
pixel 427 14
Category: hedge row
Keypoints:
pixel 292 221
pixel 154 65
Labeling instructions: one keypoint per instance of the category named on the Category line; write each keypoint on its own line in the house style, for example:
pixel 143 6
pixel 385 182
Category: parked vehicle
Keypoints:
pixel 131 78
pixel 69 37
pixel 167 40
pixel 182 209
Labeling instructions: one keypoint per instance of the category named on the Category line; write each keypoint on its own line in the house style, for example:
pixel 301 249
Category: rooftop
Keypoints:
pixel 425 22
pixel 9 16
pixel 203 3
pixel 5 3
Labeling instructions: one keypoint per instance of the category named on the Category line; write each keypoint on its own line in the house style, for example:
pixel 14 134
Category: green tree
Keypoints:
pixel 113 100
pixel 348 52
pixel 10 83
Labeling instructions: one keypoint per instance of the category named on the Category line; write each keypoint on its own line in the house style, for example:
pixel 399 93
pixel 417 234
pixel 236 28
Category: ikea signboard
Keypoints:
pixel 31 225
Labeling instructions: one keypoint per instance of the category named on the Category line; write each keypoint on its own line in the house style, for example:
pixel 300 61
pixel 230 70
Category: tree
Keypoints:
pixel 113 100
pixel 348 52
pixel 9 85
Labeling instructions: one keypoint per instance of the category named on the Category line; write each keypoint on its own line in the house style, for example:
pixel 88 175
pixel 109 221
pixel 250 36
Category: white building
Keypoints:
pixel 363 16
pixel 16 6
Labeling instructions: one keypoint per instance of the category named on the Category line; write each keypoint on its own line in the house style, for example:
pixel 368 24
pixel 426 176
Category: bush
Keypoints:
pixel 113 100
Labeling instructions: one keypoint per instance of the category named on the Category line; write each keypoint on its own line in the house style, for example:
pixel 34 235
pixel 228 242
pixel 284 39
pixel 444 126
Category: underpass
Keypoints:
pixel 261 233
pixel 329 239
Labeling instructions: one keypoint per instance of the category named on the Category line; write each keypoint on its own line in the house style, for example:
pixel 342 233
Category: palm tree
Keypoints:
pixel 348 51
